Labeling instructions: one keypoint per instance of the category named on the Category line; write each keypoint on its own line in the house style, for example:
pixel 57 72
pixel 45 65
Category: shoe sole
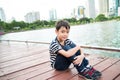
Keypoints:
pixel 98 77
pixel 84 77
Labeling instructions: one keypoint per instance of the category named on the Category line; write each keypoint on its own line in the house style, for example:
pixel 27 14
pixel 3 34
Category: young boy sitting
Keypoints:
pixel 63 52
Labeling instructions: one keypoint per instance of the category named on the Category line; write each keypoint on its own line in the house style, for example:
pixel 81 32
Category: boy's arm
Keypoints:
pixel 70 52
pixel 79 58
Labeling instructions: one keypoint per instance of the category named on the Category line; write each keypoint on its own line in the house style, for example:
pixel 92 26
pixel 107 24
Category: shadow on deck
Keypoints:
pixel 18 62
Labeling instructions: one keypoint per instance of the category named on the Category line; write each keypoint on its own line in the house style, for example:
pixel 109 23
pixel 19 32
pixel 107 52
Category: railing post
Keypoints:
pixel 27 43
pixel 8 42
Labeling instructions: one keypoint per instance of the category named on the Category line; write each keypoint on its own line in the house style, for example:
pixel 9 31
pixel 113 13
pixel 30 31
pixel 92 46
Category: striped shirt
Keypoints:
pixel 55 47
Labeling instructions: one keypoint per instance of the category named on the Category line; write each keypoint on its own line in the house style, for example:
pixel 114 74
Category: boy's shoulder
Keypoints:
pixel 68 41
pixel 54 42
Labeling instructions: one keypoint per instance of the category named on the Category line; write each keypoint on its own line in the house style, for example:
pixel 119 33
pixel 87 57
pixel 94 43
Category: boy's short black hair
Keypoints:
pixel 62 23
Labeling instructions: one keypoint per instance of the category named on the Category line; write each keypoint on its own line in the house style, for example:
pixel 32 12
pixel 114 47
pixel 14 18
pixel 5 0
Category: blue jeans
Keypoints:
pixel 63 63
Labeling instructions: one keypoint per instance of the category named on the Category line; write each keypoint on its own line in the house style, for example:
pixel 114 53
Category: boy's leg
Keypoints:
pixel 62 63
pixel 85 61
pixel 72 58
pixel 91 72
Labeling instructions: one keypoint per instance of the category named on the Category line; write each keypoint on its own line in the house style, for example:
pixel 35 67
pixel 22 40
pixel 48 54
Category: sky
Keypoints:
pixel 19 8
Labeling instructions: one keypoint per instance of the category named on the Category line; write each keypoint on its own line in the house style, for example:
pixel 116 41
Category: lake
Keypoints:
pixel 103 34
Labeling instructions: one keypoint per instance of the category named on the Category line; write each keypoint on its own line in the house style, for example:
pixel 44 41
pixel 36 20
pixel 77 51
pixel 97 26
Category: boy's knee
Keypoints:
pixel 72 58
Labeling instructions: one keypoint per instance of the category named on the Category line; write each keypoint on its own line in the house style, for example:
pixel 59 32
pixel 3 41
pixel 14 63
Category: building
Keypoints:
pixel 32 17
pixel 2 15
pixel 81 12
pixel 112 10
pixel 90 9
pixel 86 10
pixel 53 14
pixel 117 5
pixel 104 7
pixel 118 11
pixel 78 12
pixel 114 7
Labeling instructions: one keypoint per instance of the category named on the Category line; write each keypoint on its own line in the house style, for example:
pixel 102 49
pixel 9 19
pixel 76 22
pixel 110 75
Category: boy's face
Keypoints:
pixel 62 34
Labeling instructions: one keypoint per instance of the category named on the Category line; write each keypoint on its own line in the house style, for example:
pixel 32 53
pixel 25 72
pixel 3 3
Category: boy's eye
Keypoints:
pixel 67 31
pixel 62 31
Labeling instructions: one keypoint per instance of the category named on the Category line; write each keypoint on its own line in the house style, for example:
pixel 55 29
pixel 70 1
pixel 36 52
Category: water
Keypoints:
pixel 104 34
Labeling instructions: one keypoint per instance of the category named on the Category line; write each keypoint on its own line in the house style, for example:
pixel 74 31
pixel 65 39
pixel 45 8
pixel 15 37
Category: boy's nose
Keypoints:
pixel 66 34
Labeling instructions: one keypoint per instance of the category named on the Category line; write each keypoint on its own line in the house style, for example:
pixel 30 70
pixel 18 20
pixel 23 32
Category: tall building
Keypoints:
pixel 117 5
pixel 32 17
pixel 53 14
pixel 90 8
pixel 112 10
pixel 104 7
pixel 2 15
pixel 118 11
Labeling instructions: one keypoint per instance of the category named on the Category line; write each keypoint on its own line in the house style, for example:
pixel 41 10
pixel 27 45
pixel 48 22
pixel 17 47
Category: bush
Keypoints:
pixel 101 17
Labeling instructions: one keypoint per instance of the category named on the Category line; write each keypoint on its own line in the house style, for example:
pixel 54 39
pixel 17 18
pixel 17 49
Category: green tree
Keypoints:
pixel 101 17
pixel 84 20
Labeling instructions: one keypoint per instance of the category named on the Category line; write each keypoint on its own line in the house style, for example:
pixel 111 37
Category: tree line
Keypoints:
pixel 23 26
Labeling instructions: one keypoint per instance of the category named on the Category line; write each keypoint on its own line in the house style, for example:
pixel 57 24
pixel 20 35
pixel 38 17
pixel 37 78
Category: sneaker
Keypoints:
pixel 86 74
pixel 96 72
pixel 90 73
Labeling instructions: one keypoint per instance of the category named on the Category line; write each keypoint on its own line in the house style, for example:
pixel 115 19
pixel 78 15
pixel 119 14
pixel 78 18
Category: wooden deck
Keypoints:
pixel 21 62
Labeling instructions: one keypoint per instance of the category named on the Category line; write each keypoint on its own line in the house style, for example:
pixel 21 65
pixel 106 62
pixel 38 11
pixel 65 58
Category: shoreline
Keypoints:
pixel 53 27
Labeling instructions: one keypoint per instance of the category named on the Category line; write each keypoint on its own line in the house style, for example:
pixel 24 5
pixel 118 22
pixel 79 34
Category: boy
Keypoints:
pixel 63 52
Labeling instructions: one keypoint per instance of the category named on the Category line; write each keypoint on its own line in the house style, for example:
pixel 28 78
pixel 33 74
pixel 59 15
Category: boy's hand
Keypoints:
pixel 79 59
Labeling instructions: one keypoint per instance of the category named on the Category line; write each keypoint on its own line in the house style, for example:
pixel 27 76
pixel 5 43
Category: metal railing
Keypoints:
pixel 82 46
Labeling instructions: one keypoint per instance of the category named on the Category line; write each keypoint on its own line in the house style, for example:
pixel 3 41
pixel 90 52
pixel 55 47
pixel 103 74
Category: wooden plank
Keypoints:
pixel 111 72
pixel 44 69
pixel 46 75
pixel 118 78
pixel 35 73
pixel 77 77
pixel 62 76
pixel 24 65
pixel 103 64
pixel 5 51
pixel 23 59
pixel 5 48
pixel 21 54
pixel 29 72
pixel 94 60
pixel 26 68
pixel 17 49
pixel 106 64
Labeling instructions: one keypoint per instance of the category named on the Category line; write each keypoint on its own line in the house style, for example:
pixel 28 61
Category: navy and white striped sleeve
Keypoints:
pixel 71 43
pixel 54 47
